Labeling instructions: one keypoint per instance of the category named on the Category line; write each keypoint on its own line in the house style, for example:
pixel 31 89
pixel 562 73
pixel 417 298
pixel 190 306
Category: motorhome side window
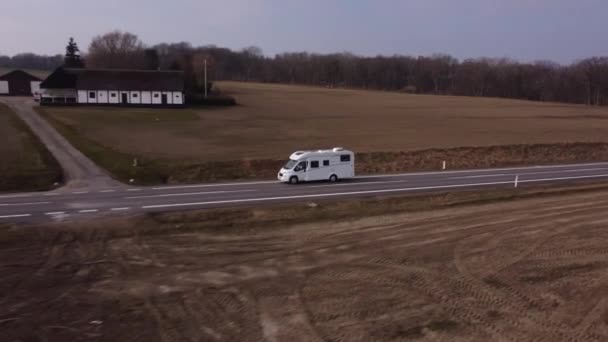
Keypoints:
pixel 345 158
pixel 326 163
pixel 314 164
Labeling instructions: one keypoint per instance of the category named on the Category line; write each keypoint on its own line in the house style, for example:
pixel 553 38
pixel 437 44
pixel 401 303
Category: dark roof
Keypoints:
pixel 18 74
pixel 59 79
pixel 114 79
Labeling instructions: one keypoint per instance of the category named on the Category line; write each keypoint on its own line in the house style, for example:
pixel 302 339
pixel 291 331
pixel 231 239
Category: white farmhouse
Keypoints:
pixel 110 87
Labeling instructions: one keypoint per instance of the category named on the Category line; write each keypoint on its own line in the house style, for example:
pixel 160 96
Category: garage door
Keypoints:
pixel 4 87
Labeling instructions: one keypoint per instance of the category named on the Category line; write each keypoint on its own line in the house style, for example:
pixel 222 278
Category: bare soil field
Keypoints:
pixel 271 121
pixel 534 269
pixel 24 163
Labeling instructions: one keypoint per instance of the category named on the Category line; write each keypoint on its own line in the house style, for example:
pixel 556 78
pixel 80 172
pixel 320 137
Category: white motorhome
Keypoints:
pixel 331 165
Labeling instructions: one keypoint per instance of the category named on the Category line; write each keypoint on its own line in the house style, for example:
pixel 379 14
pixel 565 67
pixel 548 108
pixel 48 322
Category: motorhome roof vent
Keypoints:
pixel 337 149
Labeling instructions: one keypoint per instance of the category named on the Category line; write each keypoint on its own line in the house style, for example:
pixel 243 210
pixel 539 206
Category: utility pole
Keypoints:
pixel 205 77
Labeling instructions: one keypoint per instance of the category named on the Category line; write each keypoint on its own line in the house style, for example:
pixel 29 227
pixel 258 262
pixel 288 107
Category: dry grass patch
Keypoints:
pixel 24 162
pixel 271 121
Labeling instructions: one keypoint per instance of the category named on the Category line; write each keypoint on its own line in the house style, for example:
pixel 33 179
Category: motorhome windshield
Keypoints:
pixel 290 164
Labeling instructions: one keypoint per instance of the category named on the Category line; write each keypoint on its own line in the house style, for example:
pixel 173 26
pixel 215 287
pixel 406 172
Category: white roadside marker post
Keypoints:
pixel 443 165
pixel 516 180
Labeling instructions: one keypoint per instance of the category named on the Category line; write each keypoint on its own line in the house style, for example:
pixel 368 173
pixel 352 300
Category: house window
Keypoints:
pixel 91 94
pixel 134 95
pixel 112 94
pixel 314 164
pixel 326 163
pixel 345 158
pixel 156 96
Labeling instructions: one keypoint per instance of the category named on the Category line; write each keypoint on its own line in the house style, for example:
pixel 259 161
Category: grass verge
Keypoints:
pixel 26 164
pixel 163 171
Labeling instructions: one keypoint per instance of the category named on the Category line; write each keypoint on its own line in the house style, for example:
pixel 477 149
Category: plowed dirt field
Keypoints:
pixel 534 269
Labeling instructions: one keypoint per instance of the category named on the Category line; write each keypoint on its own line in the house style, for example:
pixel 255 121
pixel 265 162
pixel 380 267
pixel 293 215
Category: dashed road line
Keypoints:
pixel 357 183
pixel 52 194
pixel 15 216
pixel 190 194
pixel 120 209
pixel 527 173
pixel 437 187
pixel 523 168
pixel 55 213
pixel 80 192
pixel 212 185
pixel 88 211
pixel 106 191
pixel 263 199
pixel 16 196
pixel 483 176
pixel 21 204
pixel 133 189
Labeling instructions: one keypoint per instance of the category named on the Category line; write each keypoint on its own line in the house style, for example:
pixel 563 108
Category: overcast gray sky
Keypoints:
pixel 559 30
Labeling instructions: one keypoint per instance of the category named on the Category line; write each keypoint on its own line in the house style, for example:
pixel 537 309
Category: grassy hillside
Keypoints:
pixel 24 163
pixel 271 121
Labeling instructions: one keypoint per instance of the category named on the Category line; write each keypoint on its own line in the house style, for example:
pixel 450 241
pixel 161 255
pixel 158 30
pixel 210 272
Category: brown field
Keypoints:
pixel 534 269
pixel 271 121
pixel 24 163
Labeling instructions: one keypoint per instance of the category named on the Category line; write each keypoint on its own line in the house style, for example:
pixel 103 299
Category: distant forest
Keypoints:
pixel 585 81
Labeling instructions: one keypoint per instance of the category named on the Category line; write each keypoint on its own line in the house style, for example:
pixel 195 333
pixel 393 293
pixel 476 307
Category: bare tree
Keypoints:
pixel 116 50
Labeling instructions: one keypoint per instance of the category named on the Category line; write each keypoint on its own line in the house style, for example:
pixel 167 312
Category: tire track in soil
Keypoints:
pixel 557 329
pixel 554 258
pixel 415 279
pixel 281 312
pixel 366 230
pixel 172 322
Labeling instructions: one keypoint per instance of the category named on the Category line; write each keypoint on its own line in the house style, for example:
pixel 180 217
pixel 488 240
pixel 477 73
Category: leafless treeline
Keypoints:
pixel 30 61
pixel 585 81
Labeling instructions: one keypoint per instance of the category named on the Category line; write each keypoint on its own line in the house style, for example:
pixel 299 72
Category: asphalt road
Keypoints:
pixel 67 204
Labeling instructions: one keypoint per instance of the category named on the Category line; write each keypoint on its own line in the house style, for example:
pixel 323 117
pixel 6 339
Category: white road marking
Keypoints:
pixel 88 211
pixel 80 192
pixel 106 191
pixel 20 204
pixel 363 192
pixel 212 185
pixel 55 213
pixel 120 209
pixel 190 194
pixel 354 184
pixel 562 178
pixel 133 189
pixel 52 194
pixel 523 168
pixel 527 173
pixel 16 196
pixel 15 216
pixel 482 176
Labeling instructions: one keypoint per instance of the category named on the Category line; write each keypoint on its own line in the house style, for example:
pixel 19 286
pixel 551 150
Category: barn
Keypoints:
pixel 111 87
pixel 19 83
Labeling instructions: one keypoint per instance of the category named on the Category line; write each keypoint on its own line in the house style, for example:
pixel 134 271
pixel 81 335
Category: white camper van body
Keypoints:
pixel 306 166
